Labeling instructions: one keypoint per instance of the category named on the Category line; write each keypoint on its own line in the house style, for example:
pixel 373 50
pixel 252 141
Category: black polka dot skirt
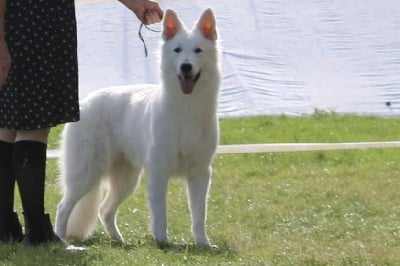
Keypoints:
pixel 41 89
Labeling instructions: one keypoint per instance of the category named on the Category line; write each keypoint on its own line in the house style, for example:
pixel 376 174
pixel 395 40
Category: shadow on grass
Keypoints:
pixel 100 240
pixel 45 254
pixel 186 248
pixel 100 249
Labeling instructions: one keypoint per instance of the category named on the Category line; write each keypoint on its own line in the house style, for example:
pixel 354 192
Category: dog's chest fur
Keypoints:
pixel 192 132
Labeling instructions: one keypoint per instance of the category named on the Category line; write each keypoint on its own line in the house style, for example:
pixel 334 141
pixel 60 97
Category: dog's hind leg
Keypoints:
pixel 121 183
pixel 197 185
pixel 82 166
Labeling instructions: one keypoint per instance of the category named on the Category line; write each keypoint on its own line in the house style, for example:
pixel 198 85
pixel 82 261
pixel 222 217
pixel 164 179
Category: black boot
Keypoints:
pixel 38 229
pixel 29 162
pixel 10 228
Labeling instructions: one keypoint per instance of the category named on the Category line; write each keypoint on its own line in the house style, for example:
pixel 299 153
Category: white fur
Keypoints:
pixel 158 128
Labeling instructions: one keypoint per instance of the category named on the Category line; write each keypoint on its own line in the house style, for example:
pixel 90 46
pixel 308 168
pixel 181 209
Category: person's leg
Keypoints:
pixel 29 163
pixel 10 228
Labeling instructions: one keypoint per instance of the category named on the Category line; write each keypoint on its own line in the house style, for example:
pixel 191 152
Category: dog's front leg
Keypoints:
pixel 198 183
pixel 157 192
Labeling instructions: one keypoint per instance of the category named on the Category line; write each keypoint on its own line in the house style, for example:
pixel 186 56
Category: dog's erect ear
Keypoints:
pixel 207 25
pixel 172 24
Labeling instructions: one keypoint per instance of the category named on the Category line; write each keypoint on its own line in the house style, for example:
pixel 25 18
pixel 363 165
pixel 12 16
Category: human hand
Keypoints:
pixel 5 62
pixel 147 11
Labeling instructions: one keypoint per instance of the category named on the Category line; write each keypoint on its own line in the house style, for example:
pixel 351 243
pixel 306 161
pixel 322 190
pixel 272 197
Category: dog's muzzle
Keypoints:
pixel 187 79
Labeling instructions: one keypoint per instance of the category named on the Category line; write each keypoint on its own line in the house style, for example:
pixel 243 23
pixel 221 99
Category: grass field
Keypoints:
pixel 304 208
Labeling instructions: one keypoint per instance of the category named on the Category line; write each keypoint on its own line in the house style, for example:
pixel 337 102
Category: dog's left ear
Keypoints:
pixel 207 25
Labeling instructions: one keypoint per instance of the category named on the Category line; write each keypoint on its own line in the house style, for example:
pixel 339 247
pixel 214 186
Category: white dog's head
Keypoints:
pixel 187 55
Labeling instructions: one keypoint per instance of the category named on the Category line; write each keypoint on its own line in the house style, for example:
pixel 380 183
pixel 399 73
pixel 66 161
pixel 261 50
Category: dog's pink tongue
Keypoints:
pixel 187 86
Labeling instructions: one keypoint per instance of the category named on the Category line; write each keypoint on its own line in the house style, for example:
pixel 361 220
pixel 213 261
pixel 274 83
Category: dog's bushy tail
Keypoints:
pixel 79 176
pixel 83 219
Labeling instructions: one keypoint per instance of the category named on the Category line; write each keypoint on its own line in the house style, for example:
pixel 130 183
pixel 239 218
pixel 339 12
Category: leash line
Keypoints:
pixel 141 36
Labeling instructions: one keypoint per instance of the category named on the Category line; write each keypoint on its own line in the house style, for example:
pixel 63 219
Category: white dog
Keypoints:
pixel 169 130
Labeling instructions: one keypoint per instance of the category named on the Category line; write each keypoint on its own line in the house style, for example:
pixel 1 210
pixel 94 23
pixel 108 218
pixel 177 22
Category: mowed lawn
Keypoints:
pixel 299 208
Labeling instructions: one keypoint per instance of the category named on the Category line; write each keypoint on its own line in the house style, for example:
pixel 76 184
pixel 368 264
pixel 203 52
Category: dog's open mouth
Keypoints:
pixel 188 82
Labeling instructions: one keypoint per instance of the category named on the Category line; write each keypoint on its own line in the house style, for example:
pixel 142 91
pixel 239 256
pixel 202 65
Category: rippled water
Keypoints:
pixel 278 57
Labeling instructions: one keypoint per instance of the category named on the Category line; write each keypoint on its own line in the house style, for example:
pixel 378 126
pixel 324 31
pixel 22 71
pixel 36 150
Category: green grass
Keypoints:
pixel 304 208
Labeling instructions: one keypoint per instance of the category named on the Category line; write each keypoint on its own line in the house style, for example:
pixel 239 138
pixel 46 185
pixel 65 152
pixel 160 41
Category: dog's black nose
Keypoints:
pixel 186 68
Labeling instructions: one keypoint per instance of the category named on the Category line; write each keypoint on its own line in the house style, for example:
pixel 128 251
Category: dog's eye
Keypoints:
pixel 177 50
pixel 198 50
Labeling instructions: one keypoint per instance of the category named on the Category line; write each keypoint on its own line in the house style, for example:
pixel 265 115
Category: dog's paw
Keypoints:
pixel 163 244
pixel 214 247
pixel 207 246
pixel 202 241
